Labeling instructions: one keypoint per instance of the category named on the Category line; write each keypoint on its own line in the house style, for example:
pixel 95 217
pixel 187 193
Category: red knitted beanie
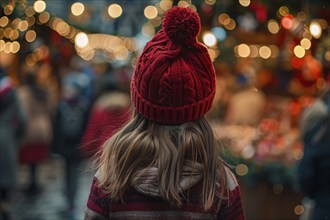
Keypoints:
pixel 174 80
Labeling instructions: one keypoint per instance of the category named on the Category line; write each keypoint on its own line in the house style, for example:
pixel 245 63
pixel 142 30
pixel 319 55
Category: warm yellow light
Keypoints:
pixel 81 40
pixel 165 5
pixel 13 35
pixel 283 10
pixel 299 209
pixel 315 29
pixel 29 11
pixel 299 51
pixel 148 30
pixel 265 52
pixel 8 9
pixel 209 39
pixel 23 25
pixel 44 17
pixel 245 3
pixel 150 12
pixel 120 52
pixel 214 53
pixel 15 47
pixel 274 51
pixel 306 43
pixel 7 48
pixel 222 18
pixel 273 26
pixel 39 6
pixel 210 2
pixel 114 10
pixel 2 45
pixel 4 21
pixel 183 4
pixel 30 36
pixel 243 50
pixel 7 32
pixel 31 20
pixel 62 28
pixel 231 25
pixel 241 169
pixel 77 8
pixel 327 56
pixel 254 51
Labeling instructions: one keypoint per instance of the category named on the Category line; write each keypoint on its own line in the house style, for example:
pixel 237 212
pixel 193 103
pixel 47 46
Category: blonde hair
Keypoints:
pixel 143 143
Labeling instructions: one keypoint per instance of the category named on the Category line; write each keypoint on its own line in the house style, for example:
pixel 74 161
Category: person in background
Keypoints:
pixel 110 111
pixel 11 132
pixel 69 123
pixel 165 162
pixel 313 169
pixel 36 142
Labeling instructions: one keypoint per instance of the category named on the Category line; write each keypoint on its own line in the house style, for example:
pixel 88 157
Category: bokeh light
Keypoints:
pixel 209 39
pixel 30 36
pixel 299 51
pixel 81 40
pixel 287 21
pixel 315 29
pixel 273 26
pixel 39 6
pixel 115 10
pixel 265 52
pixel 150 12
pixel 245 3
pixel 305 43
pixel 243 50
pixel 77 8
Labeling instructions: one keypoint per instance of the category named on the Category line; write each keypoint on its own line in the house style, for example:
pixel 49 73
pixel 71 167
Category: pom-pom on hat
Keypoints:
pixel 174 79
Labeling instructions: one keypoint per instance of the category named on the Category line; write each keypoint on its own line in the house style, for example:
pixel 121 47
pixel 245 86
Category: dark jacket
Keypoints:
pixel 313 169
pixel 69 114
pixel 11 132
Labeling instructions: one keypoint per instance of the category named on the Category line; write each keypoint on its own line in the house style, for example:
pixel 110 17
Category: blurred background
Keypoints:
pixel 272 58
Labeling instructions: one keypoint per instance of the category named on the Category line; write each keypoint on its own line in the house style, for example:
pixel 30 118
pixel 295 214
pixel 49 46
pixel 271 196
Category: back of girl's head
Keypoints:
pixel 172 88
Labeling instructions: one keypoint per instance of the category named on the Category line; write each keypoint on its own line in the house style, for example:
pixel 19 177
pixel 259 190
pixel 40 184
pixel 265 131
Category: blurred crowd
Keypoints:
pixel 35 124
pixel 92 101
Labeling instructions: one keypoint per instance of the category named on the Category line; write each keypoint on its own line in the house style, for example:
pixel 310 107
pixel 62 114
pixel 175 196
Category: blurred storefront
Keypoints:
pixel 271 58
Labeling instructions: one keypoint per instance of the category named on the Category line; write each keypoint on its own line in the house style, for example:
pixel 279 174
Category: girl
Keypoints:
pixel 164 163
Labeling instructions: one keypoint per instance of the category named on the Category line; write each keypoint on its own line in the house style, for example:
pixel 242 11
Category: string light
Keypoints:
pixel 30 36
pixel 306 43
pixel 254 51
pixel 245 3
pixel 315 29
pixel 183 4
pixel 241 169
pixel 243 50
pixel 77 8
pixel 283 10
pixel 15 47
pixel 39 6
pixel 299 51
pixel 4 21
pixel 44 17
pixel 8 9
pixel 273 26
pixel 81 40
pixel 265 52
pixel 165 5
pixel 210 2
pixel 209 39
pixel 150 12
pixel 23 25
pixel 115 10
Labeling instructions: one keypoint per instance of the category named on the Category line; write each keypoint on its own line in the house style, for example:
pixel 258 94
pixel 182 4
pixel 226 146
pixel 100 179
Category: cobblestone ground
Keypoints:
pixel 50 203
